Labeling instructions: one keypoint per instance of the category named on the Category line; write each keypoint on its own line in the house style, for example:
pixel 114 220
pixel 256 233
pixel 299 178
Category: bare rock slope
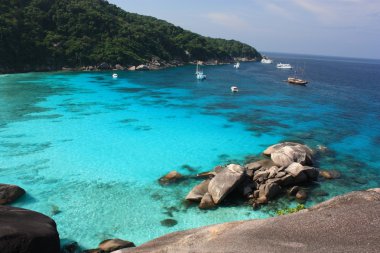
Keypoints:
pixel 347 223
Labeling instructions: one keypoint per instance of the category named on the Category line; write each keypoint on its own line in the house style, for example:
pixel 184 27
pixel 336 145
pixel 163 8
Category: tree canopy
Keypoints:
pixel 55 33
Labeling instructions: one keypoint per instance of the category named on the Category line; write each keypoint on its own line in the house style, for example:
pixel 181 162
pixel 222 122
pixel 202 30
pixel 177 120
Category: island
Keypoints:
pixel 93 34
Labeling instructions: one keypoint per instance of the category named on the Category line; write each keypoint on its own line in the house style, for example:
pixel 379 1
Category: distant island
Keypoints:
pixel 38 35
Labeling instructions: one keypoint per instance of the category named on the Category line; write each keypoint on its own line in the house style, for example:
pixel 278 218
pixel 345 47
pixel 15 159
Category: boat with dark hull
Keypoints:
pixel 297 81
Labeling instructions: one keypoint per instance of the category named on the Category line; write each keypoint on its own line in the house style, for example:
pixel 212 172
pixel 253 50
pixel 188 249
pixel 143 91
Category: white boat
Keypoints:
pixel 284 66
pixel 234 89
pixel 266 60
pixel 237 65
pixel 199 73
pixel 114 75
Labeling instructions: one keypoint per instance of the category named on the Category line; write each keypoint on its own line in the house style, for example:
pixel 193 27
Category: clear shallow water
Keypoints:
pixel 89 149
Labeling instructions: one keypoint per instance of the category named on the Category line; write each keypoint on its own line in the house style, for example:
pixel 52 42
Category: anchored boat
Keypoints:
pixel 199 73
pixel 266 60
pixel 234 89
pixel 284 66
pixel 298 81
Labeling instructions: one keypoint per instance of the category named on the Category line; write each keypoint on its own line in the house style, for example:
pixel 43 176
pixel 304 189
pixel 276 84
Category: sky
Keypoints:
pixel 347 28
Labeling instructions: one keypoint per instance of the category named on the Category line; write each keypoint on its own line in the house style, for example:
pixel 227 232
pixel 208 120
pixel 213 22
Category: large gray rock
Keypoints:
pixel 207 202
pixel 9 193
pixel 347 223
pixel 114 244
pixel 197 193
pixel 286 155
pixel 269 190
pixel 225 181
pixel 276 147
pixel 27 231
pixel 295 169
pixel 261 164
pixel 302 173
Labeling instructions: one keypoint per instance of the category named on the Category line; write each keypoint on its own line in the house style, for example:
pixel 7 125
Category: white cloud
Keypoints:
pixel 323 12
pixel 278 10
pixel 340 12
pixel 227 20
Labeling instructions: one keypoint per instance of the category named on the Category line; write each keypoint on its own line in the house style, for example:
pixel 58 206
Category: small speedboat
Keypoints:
pixel 234 89
pixel 237 65
pixel 114 75
pixel 284 66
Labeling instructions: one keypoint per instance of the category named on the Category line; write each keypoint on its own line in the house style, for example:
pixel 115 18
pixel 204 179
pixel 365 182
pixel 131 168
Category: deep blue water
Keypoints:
pixel 89 149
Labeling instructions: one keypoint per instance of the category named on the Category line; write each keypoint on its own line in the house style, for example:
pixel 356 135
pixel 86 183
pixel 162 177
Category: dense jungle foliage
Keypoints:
pixel 36 34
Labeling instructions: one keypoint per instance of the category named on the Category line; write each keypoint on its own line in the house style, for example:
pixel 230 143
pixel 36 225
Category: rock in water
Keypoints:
pixel 169 222
pixel 295 169
pixel 70 247
pixel 197 193
pixel 207 202
pixel 225 181
pixel 171 177
pixel 301 195
pixel 279 146
pixel 259 164
pixel 283 154
pixel 272 190
pixel 27 231
pixel 9 193
pixel 289 154
pixel 293 191
pixel 115 244
pixel 329 174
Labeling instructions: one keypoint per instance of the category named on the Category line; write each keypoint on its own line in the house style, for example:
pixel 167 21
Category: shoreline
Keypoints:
pixel 149 66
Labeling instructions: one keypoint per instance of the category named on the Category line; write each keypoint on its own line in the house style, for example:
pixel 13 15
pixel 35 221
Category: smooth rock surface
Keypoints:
pixel 266 163
pixel 171 177
pixel 347 223
pixel 275 147
pixel 287 155
pixel 225 181
pixel 207 202
pixel 9 193
pixel 115 244
pixel 27 231
pixel 197 193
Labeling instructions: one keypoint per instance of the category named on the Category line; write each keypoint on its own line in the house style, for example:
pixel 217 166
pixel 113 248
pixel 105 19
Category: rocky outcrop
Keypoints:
pixel 27 231
pixel 197 193
pixel 207 202
pixel 284 154
pixel 225 181
pixel 9 193
pixel 347 223
pixel 142 67
pixel 259 181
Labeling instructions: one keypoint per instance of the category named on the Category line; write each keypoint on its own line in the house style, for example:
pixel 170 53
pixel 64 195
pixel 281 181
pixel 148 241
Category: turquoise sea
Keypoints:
pixel 88 149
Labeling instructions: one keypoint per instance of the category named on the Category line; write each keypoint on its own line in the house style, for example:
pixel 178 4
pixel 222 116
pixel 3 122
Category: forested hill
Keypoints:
pixel 40 34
